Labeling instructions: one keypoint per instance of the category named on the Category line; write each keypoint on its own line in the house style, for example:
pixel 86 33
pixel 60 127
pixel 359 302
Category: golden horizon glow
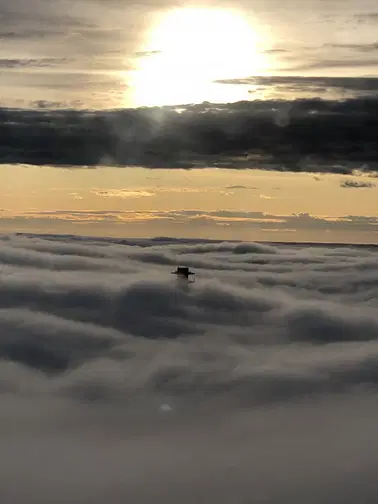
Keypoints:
pixel 188 49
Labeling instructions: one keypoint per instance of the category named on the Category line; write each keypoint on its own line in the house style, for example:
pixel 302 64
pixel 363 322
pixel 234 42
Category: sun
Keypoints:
pixel 188 50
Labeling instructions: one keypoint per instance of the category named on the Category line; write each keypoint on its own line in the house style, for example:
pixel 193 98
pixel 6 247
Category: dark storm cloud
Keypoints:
pixel 300 135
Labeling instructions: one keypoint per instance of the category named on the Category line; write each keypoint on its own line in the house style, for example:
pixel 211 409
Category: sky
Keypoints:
pixel 257 382
pixel 209 203
pixel 281 96
pixel 102 54
pixel 238 138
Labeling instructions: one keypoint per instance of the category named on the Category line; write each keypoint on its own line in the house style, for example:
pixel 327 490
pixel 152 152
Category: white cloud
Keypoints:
pixel 122 193
pixel 268 363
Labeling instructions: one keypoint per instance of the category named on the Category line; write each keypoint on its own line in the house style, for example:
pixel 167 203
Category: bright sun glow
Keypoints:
pixel 188 50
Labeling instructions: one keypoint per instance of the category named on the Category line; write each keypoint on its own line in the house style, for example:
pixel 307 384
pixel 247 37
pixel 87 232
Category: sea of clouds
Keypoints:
pixel 256 383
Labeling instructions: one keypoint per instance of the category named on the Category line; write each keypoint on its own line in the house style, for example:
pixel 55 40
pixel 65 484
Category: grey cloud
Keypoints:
pixel 239 187
pixel 38 21
pixel 27 340
pixel 142 54
pixel 50 287
pixel 333 63
pixel 56 321
pixel 301 82
pixel 368 16
pixel 99 36
pixel 26 34
pixel 276 51
pixel 356 184
pixel 227 135
pixel 25 63
pixel 357 47
pixel 114 374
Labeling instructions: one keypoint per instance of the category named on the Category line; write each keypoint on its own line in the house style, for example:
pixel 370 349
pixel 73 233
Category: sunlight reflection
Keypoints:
pixel 188 49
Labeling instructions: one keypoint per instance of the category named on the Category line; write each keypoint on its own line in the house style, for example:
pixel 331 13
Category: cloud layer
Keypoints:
pixel 68 302
pixel 116 373
pixel 113 374
pixel 302 135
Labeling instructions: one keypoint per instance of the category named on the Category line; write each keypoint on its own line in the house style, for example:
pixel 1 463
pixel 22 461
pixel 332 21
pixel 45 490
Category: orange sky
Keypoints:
pixel 209 203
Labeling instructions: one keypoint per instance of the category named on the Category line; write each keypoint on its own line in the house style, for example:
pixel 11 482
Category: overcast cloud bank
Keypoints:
pixel 65 304
pixel 134 386
pixel 310 135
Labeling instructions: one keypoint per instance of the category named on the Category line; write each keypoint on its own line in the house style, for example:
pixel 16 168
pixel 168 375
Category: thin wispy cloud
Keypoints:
pixel 31 63
pixel 357 47
pixel 311 83
pixel 239 187
pixel 368 17
pixel 122 193
pixel 323 64
pixel 194 218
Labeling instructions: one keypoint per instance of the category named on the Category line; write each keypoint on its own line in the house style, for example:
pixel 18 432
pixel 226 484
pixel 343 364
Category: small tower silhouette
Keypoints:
pixel 183 272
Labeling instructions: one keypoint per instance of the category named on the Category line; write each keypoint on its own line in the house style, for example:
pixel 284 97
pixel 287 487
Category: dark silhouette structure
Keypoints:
pixel 183 272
